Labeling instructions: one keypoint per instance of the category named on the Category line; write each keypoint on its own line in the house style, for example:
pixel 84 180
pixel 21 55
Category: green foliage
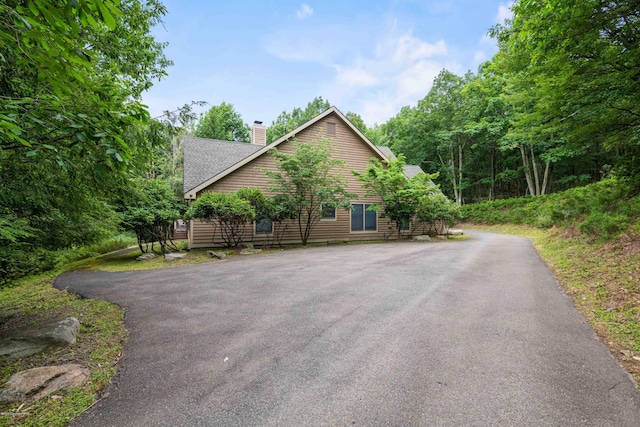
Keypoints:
pixel 223 122
pixel 307 179
pixel 257 200
pixel 601 210
pixel 286 122
pixel 603 225
pixel 357 121
pixel 227 211
pixel 403 201
pixel 150 213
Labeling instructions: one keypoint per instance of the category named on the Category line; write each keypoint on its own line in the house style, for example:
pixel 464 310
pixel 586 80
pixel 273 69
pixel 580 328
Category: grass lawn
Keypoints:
pixel 98 347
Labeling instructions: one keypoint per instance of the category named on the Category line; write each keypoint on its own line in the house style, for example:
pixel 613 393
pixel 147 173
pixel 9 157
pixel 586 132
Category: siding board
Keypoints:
pixel 346 146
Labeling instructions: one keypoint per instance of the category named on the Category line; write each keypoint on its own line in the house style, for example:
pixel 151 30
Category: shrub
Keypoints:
pixel 604 225
pixel 228 211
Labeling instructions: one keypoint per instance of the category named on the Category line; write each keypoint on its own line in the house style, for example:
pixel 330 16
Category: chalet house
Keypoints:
pixel 225 166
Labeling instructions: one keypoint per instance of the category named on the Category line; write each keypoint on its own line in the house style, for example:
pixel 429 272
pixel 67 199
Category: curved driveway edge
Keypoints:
pixel 472 332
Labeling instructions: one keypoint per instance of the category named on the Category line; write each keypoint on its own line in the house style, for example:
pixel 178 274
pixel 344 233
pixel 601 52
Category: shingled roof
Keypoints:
pixel 204 158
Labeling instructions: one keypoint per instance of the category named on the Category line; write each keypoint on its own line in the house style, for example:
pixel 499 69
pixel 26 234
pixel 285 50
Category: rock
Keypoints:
pixel 441 237
pixel 34 384
pixel 148 255
pixel 422 238
pixel 454 232
pixel 27 341
pixel 250 251
pixel 63 332
pixel 172 256
pixel 246 245
pixel 219 255
pixel 627 353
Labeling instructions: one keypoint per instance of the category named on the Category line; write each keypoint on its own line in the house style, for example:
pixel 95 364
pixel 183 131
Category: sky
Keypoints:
pixel 368 57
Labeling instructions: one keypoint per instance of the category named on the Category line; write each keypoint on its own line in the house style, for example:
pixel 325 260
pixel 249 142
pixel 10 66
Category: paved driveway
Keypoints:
pixel 432 334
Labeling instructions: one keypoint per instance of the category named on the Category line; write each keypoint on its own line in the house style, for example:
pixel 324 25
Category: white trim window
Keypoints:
pixel 329 213
pixel 362 218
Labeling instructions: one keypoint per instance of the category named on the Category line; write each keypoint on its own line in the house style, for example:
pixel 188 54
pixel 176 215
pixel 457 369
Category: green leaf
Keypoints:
pixel 106 17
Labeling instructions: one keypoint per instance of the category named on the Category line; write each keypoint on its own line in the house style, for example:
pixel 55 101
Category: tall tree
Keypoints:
pixel 286 122
pixel 223 122
pixel 582 57
pixel 308 179
pixel 357 121
pixel 71 76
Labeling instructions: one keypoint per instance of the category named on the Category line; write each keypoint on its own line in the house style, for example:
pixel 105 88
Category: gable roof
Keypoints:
pixel 204 158
pixel 412 170
pixel 387 152
pixel 215 174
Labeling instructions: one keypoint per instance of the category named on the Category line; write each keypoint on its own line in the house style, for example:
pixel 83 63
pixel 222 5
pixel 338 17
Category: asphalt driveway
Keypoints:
pixel 431 334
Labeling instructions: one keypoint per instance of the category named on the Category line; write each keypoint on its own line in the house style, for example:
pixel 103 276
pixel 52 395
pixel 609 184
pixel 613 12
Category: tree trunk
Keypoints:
pixel 536 175
pixel 459 199
pixel 545 181
pixel 527 170
pixel 492 189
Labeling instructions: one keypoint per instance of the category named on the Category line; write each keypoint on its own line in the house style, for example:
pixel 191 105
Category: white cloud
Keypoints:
pixel 355 76
pixel 305 11
pixel 399 71
pixel 504 12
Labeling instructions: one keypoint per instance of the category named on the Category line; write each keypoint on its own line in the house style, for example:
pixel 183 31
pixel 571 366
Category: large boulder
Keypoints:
pixel 34 339
pixel 34 384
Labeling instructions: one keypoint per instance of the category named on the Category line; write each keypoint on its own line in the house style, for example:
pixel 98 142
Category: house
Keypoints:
pixel 225 166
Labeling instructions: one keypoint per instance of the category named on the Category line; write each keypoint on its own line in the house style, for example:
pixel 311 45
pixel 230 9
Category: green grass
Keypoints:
pixel 603 278
pixel 98 347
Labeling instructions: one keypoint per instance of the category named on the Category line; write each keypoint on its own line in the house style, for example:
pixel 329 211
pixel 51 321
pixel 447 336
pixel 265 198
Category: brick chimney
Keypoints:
pixel 258 134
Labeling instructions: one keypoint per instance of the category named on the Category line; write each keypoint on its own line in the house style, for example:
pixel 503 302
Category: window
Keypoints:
pixel 328 212
pixel 406 225
pixel 264 226
pixel 331 129
pixel 363 219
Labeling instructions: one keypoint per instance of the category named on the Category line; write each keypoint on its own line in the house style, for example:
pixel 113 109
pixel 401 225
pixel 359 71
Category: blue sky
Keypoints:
pixel 369 57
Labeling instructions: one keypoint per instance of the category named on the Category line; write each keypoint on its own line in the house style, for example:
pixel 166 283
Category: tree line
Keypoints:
pixel 557 107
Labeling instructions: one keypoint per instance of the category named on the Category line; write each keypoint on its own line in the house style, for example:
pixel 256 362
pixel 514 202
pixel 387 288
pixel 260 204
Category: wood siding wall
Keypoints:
pixel 347 147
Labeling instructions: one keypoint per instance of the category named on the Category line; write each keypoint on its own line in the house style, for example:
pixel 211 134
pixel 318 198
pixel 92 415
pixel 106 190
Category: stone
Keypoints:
pixel 31 340
pixel 148 255
pixel 455 232
pixel 34 384
pixel 250 251
pixel 219 255
pixel 246 245
pixel 62 332
pixel 441 237
pixel 172 256
pixel 422 238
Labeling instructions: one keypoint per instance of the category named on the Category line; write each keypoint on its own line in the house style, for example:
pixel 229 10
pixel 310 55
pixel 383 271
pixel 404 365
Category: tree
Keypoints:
pixel 308 179
pixel 400 197
pixel 226 210
pixel 357 121
pixel 286 122
pixel 71 76
pixel 150 214
pixel 581 58
pixel 223 122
